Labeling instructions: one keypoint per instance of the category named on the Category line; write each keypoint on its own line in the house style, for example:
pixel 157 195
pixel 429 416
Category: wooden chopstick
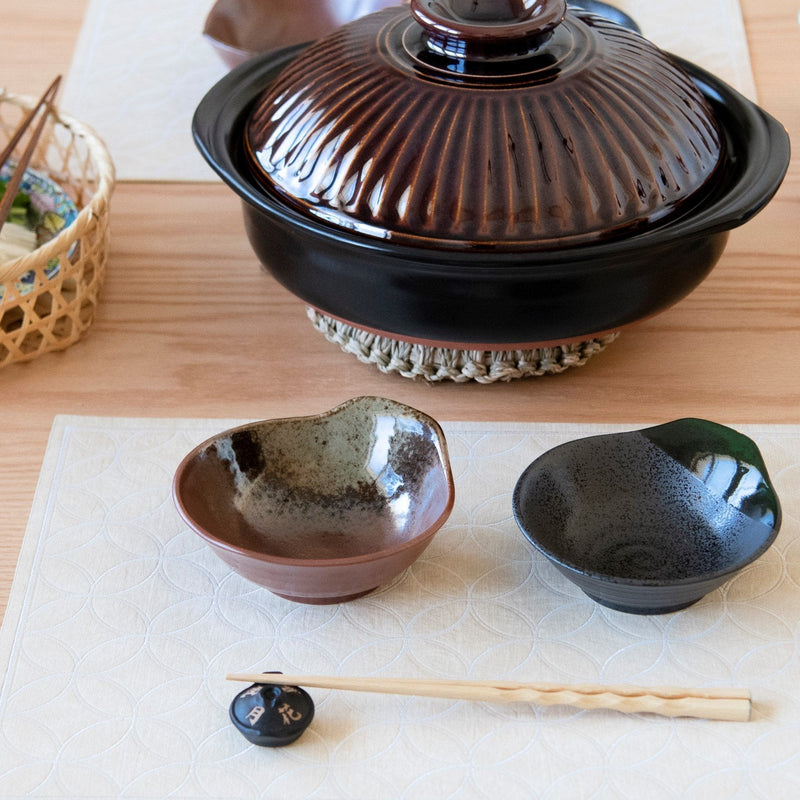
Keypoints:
pixel 719 704
pixel 47 97
pixel 12 187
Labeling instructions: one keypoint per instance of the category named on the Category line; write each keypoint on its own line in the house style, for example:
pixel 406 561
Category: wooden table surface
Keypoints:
pixel 190 326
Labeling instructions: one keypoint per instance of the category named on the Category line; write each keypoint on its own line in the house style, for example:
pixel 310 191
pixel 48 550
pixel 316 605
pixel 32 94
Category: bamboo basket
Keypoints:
pixel 60 305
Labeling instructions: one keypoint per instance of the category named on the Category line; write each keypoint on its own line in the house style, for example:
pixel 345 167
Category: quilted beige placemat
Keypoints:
pixel 141 67
pixel 122 624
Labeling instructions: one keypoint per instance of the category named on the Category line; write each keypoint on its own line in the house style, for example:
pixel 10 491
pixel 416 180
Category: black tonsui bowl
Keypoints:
pixel 650 521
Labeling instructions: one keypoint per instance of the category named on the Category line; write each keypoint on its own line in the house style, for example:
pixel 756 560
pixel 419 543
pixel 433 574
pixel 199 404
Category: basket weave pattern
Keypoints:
pixel 58 309
pixel 436 364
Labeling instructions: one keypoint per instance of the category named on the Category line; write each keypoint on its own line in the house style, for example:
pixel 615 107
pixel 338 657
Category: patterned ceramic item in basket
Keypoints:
pixel 49 210
pixel 48 297
pixel 487 190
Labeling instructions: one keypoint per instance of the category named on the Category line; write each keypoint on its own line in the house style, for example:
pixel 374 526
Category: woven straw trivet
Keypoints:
pixel 59 306
pixel 442 364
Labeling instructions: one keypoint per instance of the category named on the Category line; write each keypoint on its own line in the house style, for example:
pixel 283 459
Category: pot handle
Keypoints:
pixel 481 30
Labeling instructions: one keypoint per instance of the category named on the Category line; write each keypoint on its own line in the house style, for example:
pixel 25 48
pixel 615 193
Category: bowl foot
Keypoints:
pixel 436 364
pixel 662 609
pixel 324 601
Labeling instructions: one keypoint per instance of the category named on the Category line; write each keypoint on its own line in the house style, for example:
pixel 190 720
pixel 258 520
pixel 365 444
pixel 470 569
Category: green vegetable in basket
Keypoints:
pixel 22 210
pixel 18 236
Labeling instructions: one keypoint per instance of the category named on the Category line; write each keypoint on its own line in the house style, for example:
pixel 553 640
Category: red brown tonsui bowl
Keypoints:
pixel 494 189
pixel 325 508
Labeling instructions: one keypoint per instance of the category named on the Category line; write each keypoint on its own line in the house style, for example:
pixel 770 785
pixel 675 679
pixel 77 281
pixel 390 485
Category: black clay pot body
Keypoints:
pixel 471 299
pixel 485 296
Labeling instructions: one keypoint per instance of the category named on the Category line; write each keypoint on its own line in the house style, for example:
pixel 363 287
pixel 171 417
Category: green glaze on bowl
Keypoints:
pixel 729 464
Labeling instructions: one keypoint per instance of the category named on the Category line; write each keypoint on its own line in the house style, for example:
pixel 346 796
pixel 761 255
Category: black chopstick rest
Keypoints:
pixel 272 715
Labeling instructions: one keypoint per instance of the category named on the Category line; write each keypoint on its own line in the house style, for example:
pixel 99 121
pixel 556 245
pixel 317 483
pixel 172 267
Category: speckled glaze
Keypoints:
pixel 650 521
pixel 325 508
pixel 493 121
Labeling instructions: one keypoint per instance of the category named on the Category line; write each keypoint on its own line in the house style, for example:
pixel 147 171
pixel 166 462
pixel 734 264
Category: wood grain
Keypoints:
pixel 190 326
pixel 732 705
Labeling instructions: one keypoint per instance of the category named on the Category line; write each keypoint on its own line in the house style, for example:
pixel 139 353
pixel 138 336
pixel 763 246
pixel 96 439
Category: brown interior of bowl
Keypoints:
pixel 318 488
pixel 276 521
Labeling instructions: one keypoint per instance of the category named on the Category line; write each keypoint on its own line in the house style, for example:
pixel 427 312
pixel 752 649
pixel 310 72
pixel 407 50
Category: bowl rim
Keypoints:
pixel 226 47
pixel 318 563
pixel 605 577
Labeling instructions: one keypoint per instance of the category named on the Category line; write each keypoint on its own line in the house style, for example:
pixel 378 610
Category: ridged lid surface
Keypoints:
pixel 470 123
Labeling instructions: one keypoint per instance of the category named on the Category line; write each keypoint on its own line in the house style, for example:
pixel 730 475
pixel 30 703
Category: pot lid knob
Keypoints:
pixel 487 29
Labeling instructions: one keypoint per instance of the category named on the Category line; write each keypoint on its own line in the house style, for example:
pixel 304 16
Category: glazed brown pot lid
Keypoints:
pixel 498 123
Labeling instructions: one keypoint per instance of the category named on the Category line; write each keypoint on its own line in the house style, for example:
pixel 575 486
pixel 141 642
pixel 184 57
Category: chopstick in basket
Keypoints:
pixel 720 704
pixel 12 187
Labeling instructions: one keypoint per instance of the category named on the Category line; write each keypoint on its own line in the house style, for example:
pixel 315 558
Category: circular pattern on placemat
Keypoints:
pixel 120 689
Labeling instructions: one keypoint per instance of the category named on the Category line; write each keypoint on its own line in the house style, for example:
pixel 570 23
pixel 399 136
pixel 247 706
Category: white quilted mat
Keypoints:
pixel 122 624
pixel 141 67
